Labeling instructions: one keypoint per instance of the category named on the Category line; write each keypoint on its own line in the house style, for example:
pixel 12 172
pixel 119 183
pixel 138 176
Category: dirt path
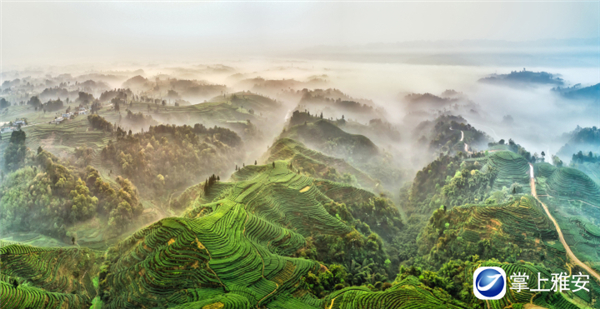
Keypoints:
pixel 462 138
pixel 570 253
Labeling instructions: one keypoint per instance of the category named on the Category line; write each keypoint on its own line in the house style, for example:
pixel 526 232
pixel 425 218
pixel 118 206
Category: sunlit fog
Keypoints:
pixel 299 154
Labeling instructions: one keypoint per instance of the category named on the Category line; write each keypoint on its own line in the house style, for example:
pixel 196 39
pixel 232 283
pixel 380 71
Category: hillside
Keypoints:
pixel 329 138
pixel 192 184
pixel 316 164
pixel 577 92
pixel 573 198
pixel 581 140
pixel 523 79
pixel 250 101
pixel 37 277
pixel 465 231
pixel 448 134
pixel 192 153
pixel 259 241
pixel 359 151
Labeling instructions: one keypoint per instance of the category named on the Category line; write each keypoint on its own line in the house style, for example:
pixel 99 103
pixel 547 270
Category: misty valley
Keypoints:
pixel 295 184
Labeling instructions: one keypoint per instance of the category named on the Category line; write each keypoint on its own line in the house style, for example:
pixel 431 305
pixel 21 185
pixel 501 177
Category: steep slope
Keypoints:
pixel 250 101
pixel 471 229
pixel 359 151
pixel 573 199
pixel 511 167
pixel 238 248
pixel 329 138
pixel 34 277
pixel 317 164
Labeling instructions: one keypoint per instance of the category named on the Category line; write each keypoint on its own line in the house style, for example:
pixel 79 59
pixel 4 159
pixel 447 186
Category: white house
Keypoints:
pixel 19 122
pixel 59 119
pixel 6 130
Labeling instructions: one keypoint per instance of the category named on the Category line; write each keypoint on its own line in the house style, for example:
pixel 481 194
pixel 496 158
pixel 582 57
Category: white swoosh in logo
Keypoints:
pixel 489 286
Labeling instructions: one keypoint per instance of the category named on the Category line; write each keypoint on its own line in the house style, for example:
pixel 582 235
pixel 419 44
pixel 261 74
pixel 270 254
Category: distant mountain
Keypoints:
pixel 579 93
pixel 523 78
pixel 581 139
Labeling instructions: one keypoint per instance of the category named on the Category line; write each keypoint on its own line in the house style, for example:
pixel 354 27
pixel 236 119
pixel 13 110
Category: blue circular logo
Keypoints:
pixel 490 282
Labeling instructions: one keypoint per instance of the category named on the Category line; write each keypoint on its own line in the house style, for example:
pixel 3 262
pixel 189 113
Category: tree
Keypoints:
pixel 4 103
pixel 557 161
pixel 84 204
pixel 15 153
pixel 255 162
pixel 273 164
pixel 85 98
pixel 34 101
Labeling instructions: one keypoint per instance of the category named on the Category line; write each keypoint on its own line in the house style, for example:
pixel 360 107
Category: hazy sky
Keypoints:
pixel 61 32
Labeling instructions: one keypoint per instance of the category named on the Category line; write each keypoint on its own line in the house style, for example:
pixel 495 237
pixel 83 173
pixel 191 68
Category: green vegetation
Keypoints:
pixel 48 196
pixel 474 229
pixel 512 168
pixel 15 153
pixel 48 277
pixel 325 136
pixel 581 140
pixel 97 122
pixel 252 102
pixel 311 224
pixel 516 148
pixel 359 151
pixel 168 157
pixel 573 198
pixel 268 218
pixel 316 164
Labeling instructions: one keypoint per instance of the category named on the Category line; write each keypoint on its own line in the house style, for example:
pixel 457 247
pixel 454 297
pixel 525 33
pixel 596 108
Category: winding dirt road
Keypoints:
pixel 570 253
pixel 462 137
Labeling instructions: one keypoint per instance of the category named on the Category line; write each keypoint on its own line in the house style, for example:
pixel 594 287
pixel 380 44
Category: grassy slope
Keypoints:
pixel 315 163
pixel 249 101
pixel 357 150
pixel 511 167
pixel 591 169
pixel 234 252
pixel 573 198
pixel 332 140
pixel 48 277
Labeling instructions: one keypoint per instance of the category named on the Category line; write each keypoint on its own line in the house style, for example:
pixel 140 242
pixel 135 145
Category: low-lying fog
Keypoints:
pixel 539 115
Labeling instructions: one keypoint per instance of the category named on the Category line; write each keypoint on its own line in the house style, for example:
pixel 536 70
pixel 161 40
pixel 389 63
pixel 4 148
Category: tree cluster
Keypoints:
pixel 580 157
pixel 48 196
pixel 98 122
pixel 181 155
pixel 16 151
pixel 210 182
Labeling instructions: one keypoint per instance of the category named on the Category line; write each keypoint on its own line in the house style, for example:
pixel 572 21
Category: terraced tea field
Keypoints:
pixel 511 167
pixel 315 163
pixel 520 225
pixel 573 200
pixel 48 277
